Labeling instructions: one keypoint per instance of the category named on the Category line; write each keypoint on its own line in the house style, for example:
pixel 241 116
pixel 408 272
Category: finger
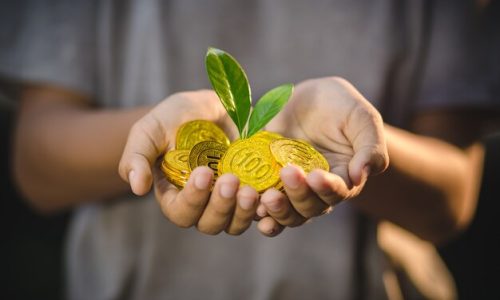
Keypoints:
pixel 280 209
pixel 247 201
pixel 261 211
pixel 269 227
pixel 370 150
pixel 184 208
pixel 330 187
pixel 302 198
pixel 221 205
pixel 366 161
pixel 145 143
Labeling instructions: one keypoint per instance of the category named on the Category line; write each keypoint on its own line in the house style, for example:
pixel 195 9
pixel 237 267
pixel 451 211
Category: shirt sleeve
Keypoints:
pixel 462 66
pixel 49 42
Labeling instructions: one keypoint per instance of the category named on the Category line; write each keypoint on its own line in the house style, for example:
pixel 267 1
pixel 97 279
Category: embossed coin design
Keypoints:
pixel 252 162
pixel 208 154
pixel 299 153
pixel 178 160
pixel 175 167
pixel 193 132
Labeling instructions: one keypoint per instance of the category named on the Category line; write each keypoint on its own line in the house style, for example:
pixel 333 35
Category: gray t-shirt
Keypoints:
pixel 128 53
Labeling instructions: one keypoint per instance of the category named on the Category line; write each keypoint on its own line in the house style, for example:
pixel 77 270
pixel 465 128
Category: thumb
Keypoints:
pixel 145 143
pixel 365 162
pixel 369 145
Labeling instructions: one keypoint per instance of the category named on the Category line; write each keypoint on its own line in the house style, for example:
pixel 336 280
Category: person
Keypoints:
pixel 479 240
pixel 471 254
pixel 90 70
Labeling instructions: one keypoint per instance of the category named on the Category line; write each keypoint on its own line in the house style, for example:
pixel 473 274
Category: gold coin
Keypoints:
pixel 193 132
pixel 299 153
pixel 179 183
pixel 252 162
pixel 177 160
pixel 172 173
pixel 175 167
pixel 208 154
pixel 271 136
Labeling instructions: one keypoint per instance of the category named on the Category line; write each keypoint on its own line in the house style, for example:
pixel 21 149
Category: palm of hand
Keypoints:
pixel 322 112
pixel 328 112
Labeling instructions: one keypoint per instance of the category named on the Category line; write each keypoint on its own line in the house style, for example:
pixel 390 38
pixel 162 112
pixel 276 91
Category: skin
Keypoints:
pixel 59 160
pixel 432 197
pixel 422 192
pixel 60 126
pixel 353 143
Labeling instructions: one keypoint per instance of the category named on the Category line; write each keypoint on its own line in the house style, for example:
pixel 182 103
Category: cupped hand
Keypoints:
pixel 340 123
pixel 225 207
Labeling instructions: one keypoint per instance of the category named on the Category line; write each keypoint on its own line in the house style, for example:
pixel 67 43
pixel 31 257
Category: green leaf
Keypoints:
pixel 231 85
pixel 268 106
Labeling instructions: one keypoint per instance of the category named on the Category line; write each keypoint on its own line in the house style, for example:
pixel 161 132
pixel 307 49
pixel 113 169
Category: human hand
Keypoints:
pixel 340 123
pixel 227 207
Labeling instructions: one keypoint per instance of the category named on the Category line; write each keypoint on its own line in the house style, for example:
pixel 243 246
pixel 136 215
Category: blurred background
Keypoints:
pixel 31 246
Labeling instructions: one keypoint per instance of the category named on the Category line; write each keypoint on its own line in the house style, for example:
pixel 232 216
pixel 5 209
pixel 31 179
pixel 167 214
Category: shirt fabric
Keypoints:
pixel 128 53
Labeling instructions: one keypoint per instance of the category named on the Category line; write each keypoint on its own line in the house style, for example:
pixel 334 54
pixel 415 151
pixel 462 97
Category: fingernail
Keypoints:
pixel 202 182
pixel 246 202
pixel 228 190
pixel 290 176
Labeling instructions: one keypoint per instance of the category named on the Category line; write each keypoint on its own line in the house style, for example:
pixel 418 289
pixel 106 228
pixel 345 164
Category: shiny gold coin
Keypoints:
pixel 177 160
pixel 179 183
pixel 193 132
pixel 172 173
pixel 252 162
pixel 299 153
pixel 175 167
pixel 271 136
pixel 208 154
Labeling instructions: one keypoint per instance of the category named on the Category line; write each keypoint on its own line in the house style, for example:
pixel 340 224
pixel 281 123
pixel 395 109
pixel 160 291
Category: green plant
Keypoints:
pixel 230 82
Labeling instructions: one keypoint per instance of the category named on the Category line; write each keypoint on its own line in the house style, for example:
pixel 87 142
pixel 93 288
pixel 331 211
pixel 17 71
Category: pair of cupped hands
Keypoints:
pixel 329 113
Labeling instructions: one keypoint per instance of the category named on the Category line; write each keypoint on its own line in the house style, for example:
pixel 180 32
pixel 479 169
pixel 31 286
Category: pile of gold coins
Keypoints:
pixel 256 161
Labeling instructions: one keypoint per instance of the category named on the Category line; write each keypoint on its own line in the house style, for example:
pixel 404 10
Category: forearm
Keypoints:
pixel 66 155
pixel 427 188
